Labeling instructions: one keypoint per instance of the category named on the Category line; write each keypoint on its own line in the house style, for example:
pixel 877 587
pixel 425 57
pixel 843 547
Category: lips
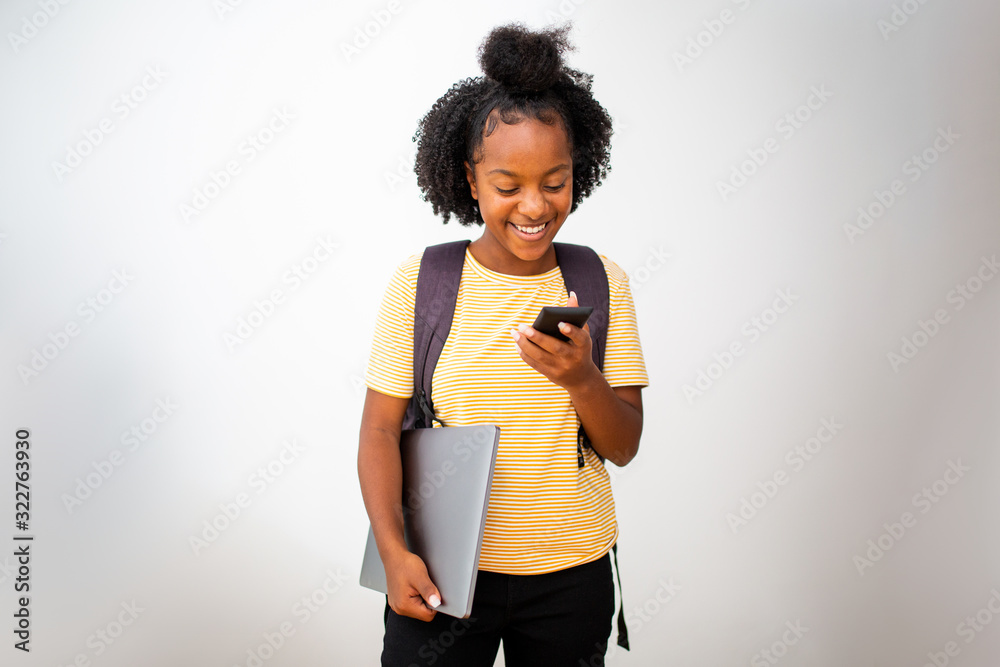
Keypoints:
pixel 530 237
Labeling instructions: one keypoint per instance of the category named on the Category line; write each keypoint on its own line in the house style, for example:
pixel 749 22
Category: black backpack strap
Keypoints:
pixel 622 629
pixel 434 306
pixel 584 273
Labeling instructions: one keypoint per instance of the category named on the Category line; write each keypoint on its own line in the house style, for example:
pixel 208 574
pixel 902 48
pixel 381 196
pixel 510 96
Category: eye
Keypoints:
pixel 550 188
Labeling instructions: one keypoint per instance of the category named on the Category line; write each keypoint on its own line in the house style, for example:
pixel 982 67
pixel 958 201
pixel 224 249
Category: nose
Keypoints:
pixel 532 204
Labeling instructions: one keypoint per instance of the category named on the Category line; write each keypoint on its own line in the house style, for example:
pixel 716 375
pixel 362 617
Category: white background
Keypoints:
pixel 892 76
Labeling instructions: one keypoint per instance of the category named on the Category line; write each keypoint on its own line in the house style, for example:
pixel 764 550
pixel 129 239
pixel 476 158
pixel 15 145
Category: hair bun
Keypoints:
pixel 522 60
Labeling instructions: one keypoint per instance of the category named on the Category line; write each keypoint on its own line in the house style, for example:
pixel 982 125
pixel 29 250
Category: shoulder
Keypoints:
pixel 407 270
pixel 446 256
pixel 617 277
pixel 411 265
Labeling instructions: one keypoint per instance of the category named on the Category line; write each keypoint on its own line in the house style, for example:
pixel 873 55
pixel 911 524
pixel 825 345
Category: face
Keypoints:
pixel 525 180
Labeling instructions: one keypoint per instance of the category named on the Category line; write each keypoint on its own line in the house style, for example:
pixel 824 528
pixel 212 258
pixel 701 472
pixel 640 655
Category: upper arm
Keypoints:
pixel 390 360
pixel 623 364
pixel 383 412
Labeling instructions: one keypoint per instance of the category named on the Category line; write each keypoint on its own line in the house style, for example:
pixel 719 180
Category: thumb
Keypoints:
pixel 571 301
pixel 431 595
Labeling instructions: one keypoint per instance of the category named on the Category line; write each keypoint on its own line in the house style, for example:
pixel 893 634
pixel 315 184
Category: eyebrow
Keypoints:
pixel 510 173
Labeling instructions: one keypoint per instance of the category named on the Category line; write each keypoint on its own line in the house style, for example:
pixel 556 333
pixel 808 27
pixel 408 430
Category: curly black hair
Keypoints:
pixel 525 78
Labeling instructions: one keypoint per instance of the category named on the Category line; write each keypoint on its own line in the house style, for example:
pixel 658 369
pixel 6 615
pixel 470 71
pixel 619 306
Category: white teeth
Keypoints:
pixel 530 230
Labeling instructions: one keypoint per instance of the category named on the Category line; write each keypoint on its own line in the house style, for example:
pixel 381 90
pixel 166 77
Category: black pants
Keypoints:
pixel 559 619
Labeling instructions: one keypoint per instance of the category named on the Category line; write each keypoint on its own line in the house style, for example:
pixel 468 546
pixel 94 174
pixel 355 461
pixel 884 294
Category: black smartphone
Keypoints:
pixel 550 316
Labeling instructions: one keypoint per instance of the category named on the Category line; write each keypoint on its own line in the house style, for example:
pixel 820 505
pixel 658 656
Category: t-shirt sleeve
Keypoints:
pixel 624 364
pixel 390 361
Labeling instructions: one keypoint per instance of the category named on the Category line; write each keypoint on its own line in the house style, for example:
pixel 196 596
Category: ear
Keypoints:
pixel 470 176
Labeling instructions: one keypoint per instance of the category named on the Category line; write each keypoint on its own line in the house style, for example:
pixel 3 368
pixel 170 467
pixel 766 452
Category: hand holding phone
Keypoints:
pixel 550 316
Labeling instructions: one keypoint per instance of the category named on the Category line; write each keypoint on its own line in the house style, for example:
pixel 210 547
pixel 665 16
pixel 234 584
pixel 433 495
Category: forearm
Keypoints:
pixel 613 426
pixel 380 472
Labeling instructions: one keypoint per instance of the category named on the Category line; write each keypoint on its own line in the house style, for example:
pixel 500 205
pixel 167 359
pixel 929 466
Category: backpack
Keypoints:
pixel 437 293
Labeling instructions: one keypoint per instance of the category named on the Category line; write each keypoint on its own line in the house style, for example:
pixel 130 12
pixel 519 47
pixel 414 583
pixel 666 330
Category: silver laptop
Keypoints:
pixel 447 474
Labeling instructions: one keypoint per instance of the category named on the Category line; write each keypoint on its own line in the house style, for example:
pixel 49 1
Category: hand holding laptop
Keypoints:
pixel 411 591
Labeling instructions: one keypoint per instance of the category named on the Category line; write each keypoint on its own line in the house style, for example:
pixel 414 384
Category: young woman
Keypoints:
pixel 513 152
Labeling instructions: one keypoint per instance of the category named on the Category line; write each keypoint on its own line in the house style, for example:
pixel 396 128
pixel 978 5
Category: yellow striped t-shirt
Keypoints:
pixel 545 513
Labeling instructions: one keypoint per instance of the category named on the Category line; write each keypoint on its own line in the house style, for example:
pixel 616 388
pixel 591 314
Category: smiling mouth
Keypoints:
pixel 530 233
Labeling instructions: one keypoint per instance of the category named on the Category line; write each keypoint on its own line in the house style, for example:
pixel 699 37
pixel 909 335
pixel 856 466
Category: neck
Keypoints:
pixel 495 257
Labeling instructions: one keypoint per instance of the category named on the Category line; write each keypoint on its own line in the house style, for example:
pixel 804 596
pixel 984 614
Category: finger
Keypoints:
pixel 411 604
pixel 417 608
pixel 572 300
pixel 528 336
pixel 529 352
pixel 569 331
